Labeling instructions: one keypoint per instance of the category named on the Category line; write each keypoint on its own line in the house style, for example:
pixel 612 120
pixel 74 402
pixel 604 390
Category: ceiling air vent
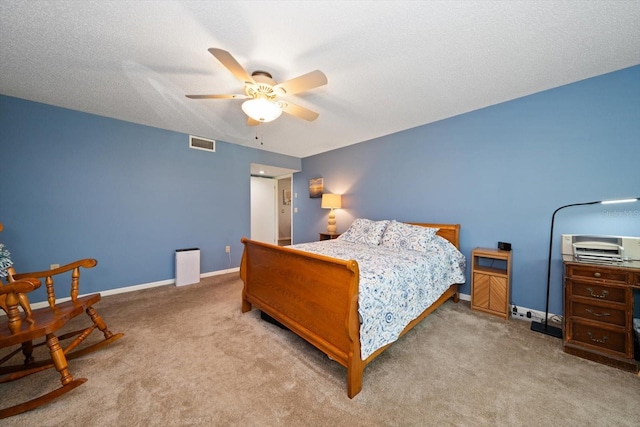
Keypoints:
pixel 202 143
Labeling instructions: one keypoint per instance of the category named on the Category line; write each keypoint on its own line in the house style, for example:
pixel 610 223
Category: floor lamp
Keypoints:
pixel 543 327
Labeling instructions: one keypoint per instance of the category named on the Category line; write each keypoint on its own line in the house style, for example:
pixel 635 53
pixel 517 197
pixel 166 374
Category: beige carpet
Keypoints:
pixel 190 357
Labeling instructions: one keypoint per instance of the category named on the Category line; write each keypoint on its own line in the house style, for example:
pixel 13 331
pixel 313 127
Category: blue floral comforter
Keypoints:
pixel 396 285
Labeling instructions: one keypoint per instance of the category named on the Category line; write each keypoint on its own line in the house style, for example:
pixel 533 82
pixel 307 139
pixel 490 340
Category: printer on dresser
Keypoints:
pixel 601 275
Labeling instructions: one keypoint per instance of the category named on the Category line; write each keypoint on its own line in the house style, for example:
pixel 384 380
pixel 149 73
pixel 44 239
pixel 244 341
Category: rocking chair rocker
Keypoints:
pixel 22 328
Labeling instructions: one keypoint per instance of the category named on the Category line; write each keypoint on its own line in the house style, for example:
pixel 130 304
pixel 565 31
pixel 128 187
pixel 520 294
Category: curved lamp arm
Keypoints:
pixel 545 327
pixel 553 218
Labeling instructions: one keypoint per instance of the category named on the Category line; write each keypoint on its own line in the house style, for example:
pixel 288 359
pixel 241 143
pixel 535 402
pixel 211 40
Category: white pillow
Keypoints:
pixel 365 231
pixel 399 235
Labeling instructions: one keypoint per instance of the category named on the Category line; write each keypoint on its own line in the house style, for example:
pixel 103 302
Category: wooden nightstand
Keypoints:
pixel 491 281
pixel 329 236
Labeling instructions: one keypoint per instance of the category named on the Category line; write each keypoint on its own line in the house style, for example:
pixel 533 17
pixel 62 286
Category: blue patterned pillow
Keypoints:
pixel 365 231
pixel 406 236
pixel 5 261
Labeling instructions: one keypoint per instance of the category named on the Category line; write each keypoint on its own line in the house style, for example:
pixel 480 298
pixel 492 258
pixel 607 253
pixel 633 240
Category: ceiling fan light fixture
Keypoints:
pixel 261 110
pixel 263 93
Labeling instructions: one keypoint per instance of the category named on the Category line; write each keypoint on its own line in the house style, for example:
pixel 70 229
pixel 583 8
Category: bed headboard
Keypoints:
pixel 451 232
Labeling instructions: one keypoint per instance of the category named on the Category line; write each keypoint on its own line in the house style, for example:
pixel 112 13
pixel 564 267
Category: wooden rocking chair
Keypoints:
pixel 22 328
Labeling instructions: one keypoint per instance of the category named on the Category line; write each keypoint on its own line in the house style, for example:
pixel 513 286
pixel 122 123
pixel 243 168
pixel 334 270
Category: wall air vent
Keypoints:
pixel 202 143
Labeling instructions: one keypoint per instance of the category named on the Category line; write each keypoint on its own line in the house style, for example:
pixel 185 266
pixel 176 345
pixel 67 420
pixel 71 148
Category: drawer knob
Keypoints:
pixel 588 310
pixel 599 341
pixel 597 275
pixel 603 294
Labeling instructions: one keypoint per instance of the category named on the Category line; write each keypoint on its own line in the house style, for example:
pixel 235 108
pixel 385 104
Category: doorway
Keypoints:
pixel 272 204
pixel 284 205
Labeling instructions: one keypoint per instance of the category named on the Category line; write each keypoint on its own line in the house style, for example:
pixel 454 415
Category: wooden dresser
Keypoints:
pixel 598 313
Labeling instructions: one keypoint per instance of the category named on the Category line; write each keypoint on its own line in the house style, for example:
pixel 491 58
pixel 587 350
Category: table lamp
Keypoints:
pixel 331 201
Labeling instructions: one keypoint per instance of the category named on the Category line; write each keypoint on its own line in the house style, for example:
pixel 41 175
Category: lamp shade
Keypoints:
pixel 331 201
pixel 261 110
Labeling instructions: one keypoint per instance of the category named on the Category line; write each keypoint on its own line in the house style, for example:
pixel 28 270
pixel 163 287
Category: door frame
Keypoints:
pixel 278 205
pixel 276 173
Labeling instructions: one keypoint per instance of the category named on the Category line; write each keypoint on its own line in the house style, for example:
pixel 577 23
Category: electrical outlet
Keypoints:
pixel 54 266
pixel 520 314
pixel 227 249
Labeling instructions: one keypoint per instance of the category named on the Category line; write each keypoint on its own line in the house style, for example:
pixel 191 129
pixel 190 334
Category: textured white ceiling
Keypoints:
pixel 391 65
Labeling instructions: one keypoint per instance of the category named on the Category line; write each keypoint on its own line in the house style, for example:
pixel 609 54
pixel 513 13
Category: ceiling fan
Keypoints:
pixel 263 94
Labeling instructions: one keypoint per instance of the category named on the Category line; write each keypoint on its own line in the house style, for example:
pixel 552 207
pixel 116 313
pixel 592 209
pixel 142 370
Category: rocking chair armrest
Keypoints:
pixel 86 263
pixel 48 275
pixel 22 286
pixel 13 295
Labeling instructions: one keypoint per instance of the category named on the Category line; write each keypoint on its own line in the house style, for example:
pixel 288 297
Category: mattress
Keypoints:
pixel 396 285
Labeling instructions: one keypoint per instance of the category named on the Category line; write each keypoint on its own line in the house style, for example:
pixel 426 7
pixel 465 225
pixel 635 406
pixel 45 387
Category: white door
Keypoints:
pixel 263 210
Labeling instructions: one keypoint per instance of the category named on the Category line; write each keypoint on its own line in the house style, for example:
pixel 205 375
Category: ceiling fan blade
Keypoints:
pixel 217 96
pixel 298 111
pixel 232 65
pixel 251 122
pixel 304 82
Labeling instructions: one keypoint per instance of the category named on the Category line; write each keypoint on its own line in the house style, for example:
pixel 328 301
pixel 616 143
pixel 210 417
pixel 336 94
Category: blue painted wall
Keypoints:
pixel 500 172
pixel 76 185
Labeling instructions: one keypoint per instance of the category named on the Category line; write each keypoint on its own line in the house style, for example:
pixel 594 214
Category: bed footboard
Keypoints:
pixel 314 296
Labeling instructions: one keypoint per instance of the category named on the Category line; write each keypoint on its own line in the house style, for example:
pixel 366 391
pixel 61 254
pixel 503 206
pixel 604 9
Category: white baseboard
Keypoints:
pixel 535 314
pixel 133 288
pixel 219 272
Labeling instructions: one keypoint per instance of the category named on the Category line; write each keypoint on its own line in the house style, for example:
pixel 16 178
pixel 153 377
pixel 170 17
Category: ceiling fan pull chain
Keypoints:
pixel 261 135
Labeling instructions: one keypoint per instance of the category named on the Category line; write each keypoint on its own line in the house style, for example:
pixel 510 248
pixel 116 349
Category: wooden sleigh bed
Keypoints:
pixel 316 297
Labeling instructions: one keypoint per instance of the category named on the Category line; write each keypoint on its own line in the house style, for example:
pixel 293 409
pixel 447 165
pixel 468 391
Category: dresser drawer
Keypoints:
pixel 594 336
pixel 598 292
pixel 597 273
pixel 613 316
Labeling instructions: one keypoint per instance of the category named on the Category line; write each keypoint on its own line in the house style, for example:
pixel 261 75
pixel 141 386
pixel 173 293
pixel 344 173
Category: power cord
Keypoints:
pixel 556 318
